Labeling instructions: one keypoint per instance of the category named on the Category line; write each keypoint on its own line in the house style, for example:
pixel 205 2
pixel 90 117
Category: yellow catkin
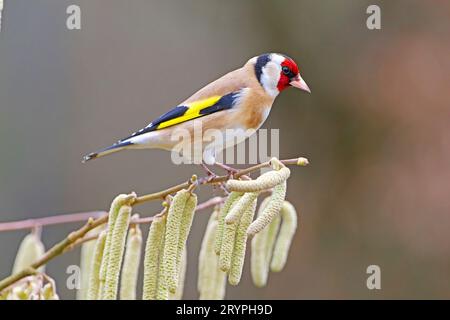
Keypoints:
pixel 162 291
pixel 181 276
pixel 284 240
pixel 116 204
pixel 94 281
pixel 270 211
pixel 240 244
pixel 262 247
pixel 117 249
pixel 228 238
pixel 258 262
pixel 211 281
pixel 226 251
pixel 130 269
pixel 170 255
pixel 208 240
pixel 272 232
pixel 235 213
pixel 30 250
pixel 185 225
pixel 231 199
pixel 152 256
pixel 265 181
pixel 86 256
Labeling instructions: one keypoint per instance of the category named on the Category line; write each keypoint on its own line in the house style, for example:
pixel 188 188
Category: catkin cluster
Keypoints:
pixel 114 253
pixel 270 247
pixel 165 257
pixel 34 287
pixel 235 221
pixel 109 250
pixel 275 179
pixel 231 235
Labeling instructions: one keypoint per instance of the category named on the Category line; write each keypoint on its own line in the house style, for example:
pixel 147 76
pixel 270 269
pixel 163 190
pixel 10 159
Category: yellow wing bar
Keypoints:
pixel 193 111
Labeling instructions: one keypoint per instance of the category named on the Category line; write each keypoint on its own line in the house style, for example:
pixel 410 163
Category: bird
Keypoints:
pixel 239 100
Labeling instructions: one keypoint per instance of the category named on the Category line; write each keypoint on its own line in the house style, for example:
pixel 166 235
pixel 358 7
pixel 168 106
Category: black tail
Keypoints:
pixel 103 152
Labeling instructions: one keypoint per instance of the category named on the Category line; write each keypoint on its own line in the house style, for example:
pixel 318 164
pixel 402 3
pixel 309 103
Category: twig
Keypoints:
pixel 58 219
pixel 204 205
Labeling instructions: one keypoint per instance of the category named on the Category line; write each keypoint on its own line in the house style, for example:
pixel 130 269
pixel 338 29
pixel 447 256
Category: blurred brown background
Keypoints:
pixel 375 128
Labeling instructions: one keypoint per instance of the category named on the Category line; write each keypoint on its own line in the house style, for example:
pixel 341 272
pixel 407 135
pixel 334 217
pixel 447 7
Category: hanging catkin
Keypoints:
pixel 226 251
pixel 211 283
pixel 86 256
pixel 230 229
pixel 229 202
pixel 172 237
pixel 87 252
pixel 262 247
pixel 117 248
pixel 284 240
pixel 30 250
pixel 162 291
pixel 207 242
pixel 181 276
pixel 130 269
pixel 240 244
pixel 116 204
pixel 185 225
pixel 153 255
pixel 235 213
pixel 94 281
pixel 270 211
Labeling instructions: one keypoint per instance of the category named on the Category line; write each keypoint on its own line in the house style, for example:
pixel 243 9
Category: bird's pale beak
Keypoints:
pixel 298 82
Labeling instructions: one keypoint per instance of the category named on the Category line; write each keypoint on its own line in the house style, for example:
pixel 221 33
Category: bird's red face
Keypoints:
pixel 290 76
pixel 276 72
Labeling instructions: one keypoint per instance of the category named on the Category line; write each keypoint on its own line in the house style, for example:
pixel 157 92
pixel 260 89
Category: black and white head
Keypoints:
pixel 276 72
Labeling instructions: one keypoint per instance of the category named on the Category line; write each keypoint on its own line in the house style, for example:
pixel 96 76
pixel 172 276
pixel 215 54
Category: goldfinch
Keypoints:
pixel 239 100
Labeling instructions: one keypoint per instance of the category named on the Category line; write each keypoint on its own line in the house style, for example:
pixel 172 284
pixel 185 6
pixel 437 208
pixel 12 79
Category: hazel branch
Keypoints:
pixel 101 217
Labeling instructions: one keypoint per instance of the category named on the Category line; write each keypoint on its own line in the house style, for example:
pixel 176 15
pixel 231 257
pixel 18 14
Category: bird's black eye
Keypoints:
pixel 286 70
